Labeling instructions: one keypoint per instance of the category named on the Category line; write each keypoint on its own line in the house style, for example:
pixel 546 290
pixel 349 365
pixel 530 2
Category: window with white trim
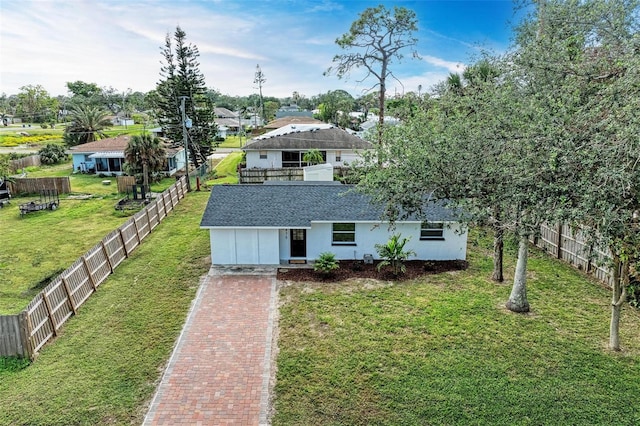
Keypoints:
pixel 344 233
pixel 432 231
pixel 263 155
pixel 338 156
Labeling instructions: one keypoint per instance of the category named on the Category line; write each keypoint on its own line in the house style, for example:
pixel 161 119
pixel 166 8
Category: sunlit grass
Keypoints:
pixel 443 350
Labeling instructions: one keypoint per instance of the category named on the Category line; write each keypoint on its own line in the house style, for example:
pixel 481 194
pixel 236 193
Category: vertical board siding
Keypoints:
pixel 572 246
pixel 26 333
pixel 142 224
pixel 11 339
pixel 36 185
pixel 125 183
pixel 129 236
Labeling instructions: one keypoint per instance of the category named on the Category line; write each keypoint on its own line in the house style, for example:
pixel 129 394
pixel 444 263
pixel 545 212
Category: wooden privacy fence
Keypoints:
pixel 125 183
pixel 258 175
pixel 24 334
pixel 571 245
pixel 21 163
pixel 35 185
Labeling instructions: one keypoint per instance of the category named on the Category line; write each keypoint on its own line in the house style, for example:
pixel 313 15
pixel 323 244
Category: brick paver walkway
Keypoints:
pixel 220 369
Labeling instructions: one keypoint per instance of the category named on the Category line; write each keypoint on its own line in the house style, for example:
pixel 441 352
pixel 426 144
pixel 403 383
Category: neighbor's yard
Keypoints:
pixel 38 246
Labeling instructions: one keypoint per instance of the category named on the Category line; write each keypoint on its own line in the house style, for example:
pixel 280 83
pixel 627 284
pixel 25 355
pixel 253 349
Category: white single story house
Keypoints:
pixel 294 222
pixel 286 146
pixel 107 156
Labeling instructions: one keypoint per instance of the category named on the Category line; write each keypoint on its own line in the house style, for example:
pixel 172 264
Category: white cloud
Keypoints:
pixel 454 67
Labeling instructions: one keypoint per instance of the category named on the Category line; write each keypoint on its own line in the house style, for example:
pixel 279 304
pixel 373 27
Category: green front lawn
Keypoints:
pixel 443 350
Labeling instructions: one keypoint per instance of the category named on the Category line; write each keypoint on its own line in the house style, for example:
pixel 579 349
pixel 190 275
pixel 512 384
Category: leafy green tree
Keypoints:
pixel 87 125
pixel 144 153
pixel 35 105
pixel 393 254
pixel 582 63
pixel 181 79
pixel 52 153
pixel 374 40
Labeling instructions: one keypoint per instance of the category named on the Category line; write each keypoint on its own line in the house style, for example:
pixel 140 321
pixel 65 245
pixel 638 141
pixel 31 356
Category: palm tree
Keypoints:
pixel 87 125
pixel 147 153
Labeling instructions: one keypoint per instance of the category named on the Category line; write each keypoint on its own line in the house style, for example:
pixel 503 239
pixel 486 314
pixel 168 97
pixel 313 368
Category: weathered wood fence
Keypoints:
pixel 35 185
pixel 571 245
pixel 24 334
pixel 125 183
pixel 21 163
pixel 257 175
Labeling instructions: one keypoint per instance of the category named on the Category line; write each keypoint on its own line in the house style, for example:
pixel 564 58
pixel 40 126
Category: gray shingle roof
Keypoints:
pixel 321 139
pixel 295 206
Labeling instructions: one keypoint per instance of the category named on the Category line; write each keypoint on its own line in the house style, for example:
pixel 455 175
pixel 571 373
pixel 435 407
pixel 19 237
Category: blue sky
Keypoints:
pixel 117 43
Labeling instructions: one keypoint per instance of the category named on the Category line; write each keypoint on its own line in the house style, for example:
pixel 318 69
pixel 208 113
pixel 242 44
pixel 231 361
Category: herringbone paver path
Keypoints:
pixel 220 368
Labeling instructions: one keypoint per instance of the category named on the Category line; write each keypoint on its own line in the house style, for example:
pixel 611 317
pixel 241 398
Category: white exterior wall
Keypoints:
pixel 272 246
pixel 244 246
pixel 273 160
pixel 453 246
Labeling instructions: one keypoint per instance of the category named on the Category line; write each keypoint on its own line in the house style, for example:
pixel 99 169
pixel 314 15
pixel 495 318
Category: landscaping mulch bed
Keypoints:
pixel 358 269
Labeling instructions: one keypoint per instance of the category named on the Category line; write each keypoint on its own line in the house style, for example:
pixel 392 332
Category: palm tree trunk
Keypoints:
pixel 518 299
pixel 145 176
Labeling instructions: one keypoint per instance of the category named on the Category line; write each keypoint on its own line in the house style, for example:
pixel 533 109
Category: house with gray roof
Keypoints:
pixel 294 222
pixel 286 146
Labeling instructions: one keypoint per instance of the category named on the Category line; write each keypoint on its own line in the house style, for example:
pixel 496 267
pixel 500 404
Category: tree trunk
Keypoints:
pixel 498 246
pixel 618 297
pixel 518 299
pixel 145 176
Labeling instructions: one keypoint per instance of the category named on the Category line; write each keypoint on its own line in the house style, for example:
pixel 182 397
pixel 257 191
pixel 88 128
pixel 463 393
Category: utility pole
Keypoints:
pixel 184 138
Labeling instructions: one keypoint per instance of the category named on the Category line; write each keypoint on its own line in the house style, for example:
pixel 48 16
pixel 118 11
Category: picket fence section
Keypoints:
pixel 571 245
pixel 25 334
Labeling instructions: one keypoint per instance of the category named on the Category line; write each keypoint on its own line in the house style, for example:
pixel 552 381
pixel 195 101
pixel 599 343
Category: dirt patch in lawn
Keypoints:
pixel 358 269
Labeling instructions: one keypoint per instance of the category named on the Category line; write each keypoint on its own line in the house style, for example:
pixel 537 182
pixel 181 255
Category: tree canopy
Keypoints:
pixel 374 41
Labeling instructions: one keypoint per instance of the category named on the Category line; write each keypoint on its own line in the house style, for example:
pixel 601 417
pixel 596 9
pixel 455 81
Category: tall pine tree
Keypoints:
pixel 181 77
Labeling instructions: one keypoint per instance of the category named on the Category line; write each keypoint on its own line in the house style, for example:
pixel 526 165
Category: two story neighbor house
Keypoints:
pixel 286 146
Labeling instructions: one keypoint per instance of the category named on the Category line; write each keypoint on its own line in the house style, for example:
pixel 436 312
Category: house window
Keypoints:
pixel 263 155
pixel 432 231
pixel 294 158
pixel 290 158
pixel 338 156
pixel 344 233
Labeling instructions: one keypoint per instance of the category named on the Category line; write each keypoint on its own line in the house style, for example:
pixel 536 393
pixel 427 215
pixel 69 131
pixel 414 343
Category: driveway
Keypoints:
pixel 221 367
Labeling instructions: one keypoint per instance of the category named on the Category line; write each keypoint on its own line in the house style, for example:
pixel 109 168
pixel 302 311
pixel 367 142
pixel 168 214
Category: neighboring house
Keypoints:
pixel 286 146
pixel 285 121
pixel 368 128
pixel 283 223
pixel 107 156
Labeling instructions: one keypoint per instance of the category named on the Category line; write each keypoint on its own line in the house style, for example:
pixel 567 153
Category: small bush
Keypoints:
pixel 52 153
pixel 394 255
pixel 326 263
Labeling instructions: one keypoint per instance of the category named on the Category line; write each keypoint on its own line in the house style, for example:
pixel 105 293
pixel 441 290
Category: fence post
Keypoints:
pixel 559 240
pixel 25 334
pixel 89 274
pixel 135 225
pixel 124 246
pixel 106 254
pixel 47 305
pixel 65 284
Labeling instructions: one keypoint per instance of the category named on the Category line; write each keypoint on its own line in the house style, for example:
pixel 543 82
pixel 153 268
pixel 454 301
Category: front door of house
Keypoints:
pixel 298 243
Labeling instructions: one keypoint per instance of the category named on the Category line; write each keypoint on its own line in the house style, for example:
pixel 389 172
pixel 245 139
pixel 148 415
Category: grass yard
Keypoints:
pixel 443 350
pixel 226 169
pixel 104 367
pixel 38 246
